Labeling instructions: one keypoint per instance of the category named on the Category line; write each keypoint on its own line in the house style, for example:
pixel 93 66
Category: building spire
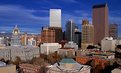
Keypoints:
pixel 16 26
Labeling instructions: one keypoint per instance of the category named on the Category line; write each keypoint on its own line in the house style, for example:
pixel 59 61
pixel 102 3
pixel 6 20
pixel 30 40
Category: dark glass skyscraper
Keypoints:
pixel 70 30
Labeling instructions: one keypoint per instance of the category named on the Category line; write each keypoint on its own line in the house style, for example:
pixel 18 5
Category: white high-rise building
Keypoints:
pixel 108 44
pixel 55 17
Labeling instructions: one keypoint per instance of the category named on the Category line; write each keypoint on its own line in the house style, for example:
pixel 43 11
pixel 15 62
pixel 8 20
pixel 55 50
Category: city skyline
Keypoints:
pixel 27 14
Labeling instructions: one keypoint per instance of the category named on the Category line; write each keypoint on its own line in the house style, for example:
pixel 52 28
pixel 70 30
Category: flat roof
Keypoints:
pixel 99 6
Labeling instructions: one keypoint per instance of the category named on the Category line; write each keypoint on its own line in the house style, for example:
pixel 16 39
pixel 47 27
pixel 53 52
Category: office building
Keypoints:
pixel 77 37
pixel 2 41
pixel 100 22
pixel 70 30
pixel 87 34
pixel 47 36
pixel 32 41
pixel 58 33
pixel 24 41
pixel 55 18
pixel 48 48
pixel 108 44
pixel 113 31
pixel 15 39
pixel 71 45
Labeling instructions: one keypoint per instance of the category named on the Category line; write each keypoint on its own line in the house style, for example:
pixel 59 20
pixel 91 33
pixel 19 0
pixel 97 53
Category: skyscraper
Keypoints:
pixel 100 22
pixel 113 31
pixel 87 34
pixel 55 24
pixel 58 33
pixel 55 17
pixel 70 30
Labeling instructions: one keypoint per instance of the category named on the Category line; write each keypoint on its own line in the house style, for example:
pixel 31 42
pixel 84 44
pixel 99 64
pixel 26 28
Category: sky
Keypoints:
pixel 31 15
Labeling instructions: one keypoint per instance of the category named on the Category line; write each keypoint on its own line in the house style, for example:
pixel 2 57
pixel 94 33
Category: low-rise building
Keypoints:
pixel 7 68
pixel 68 66
pixel 2 41
pixel 71 45
pixel 67 52
pixel 48 48
pixel 10 53
pixel 29 68
pixel 31 42
pixel 108 44
pixel 116 70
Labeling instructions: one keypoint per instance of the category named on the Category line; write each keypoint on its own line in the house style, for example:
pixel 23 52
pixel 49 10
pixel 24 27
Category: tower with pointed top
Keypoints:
pixel 15 39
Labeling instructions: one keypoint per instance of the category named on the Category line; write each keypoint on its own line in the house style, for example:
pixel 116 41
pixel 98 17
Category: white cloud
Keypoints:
pixel 19 14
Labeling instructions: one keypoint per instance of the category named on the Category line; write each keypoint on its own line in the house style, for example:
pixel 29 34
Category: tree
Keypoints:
pixel 3 60
pixel 54 57
pixel 118 46
pixel 90 47
pixel 17 60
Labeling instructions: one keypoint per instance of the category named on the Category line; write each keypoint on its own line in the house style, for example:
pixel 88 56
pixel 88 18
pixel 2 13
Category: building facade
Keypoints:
pixel 7 68
pixel 70 30
pixel 29 68
pixel 78 38
pixel 100 22
pixel 55 18
pixel 24 41
pixel 15 40
pixel 68 66
pixel 48 48
pixel 58 33
pixel 48 36
pixel 87 34
pixel 71 45
pixel 108 44
pixel 25 53
pixel 113 31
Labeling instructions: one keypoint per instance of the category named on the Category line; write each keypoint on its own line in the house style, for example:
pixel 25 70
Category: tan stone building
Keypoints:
pixel 87 34
pixel 7 68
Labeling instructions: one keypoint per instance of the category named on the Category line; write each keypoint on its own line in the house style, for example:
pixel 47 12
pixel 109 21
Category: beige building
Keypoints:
pixel 29 68
pixel 7 68
pixel 48 48
pixel 87 34
pixel 67 52
pixel 25 53
pixel 108 44
pixel 116 70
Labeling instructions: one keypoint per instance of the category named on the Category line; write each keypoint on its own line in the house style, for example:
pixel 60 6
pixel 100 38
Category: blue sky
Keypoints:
pixel 31 15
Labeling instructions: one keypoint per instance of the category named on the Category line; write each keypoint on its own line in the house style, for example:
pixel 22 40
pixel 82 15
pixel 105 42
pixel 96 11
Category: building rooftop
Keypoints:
pixel 68 65
pixel 67 61
pixel 99 6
